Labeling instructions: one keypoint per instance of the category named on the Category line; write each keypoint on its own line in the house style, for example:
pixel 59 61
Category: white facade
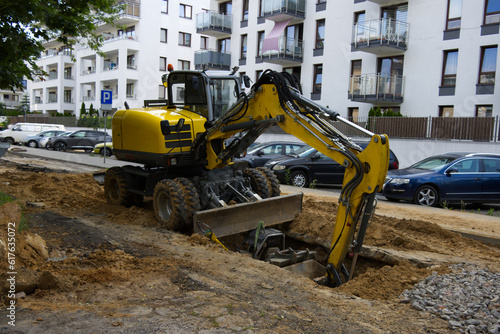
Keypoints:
pixel 136 56
pixel 416 89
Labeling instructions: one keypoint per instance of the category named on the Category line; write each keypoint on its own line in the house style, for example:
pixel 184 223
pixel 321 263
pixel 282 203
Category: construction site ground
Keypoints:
pixel 88 267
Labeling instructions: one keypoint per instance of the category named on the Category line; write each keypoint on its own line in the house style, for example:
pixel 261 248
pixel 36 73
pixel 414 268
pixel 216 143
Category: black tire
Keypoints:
pixel 108 152
pixel 426 195
pixel 273 183
pixel 169 205
pixel 299 179
pixel 32 143
pixel 191 199
pixel 89 150
pixel 9 140
pixel 257 181
pixel 115 187
pixel 60 146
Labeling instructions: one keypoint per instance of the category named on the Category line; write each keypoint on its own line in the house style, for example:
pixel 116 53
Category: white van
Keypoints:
pixel 20 131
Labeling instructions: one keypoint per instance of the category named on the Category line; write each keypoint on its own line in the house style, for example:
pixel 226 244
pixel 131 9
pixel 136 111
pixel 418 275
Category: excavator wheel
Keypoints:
pixel 115 187
pixel 169 204
pixel 258 182
pixel 192 199
pixel 273 183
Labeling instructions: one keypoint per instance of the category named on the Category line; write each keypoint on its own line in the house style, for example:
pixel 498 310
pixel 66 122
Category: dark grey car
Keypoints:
pixel 79 140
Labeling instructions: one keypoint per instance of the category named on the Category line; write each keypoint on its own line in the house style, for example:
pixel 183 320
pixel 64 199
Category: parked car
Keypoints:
pixel 47 143
pixel 34 141
pixel 19 132
pixel 308 165
pixel 79 140
pixel 258 155
pixel 99 149
pixel 450 177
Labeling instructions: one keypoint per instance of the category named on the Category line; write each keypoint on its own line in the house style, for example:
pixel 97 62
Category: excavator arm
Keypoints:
pixel 276 99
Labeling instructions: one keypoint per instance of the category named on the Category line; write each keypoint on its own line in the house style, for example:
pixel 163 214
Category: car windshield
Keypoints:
pixel 433 163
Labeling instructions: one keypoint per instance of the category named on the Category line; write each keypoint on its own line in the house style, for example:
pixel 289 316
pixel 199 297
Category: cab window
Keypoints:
pixel 224 93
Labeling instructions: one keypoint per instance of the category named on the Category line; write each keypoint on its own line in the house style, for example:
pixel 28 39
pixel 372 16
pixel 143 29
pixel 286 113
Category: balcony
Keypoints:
pixel 290 52
pixel 377 87
pixel 130 14
pixel 212 59
pixel 381 37
pixel 283 10
pixel 382 2
pixel 214 24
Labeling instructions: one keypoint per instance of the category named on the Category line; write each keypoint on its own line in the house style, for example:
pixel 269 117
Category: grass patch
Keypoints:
pixel 6 198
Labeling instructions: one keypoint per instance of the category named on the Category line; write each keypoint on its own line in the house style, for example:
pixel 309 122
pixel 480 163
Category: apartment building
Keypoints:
pixel 150 34
pixel 419 57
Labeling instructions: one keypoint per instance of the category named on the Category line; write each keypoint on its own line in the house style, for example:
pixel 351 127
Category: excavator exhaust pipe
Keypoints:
pixel 245 217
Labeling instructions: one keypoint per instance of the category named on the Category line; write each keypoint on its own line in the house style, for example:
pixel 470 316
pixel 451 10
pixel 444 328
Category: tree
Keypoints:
pixel 83 111
pixel 25 26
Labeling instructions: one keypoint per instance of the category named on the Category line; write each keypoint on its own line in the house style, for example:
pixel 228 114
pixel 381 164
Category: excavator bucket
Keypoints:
pixel 244 217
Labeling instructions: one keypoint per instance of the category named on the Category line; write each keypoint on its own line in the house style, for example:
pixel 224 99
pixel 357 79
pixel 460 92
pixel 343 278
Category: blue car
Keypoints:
pixel 450 177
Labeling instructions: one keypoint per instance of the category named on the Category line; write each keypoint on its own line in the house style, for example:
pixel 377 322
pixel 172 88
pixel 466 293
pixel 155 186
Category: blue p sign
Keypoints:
pixel 106 99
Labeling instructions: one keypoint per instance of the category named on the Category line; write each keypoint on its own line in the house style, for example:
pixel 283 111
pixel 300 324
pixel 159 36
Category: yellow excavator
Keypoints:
pixel 188 168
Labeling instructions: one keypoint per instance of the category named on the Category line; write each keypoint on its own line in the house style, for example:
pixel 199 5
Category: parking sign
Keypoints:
pixel 106 99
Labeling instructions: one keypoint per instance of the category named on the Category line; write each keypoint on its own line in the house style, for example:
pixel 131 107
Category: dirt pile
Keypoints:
pixel 107 268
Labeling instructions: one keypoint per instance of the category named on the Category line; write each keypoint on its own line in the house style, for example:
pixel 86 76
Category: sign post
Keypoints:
pixel 106 103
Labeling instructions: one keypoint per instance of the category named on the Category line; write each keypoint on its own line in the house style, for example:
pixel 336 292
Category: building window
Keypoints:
pixel 454 14
pixel 318 78
pixel 244 15
pixel 484 110
pixel 164 6
pixel 185 11
pixel 320 34
pixel 163 63
pixel 226 8
pixel 353 114
pixel 321 1
pixel 260 42
pixel 161 92
pixel 163 35
pixel 184 65
pixel 450 61
pixel 356 80
pixel 243 48
pixel 492 12
pixel 445 111
pixel 204 43
pixel 258 74
pixel 130 90
pixel 184 39
pixel 488 65
pixel 224 45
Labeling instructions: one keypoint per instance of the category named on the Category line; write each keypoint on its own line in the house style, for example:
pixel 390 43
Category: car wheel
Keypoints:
pixel 60 146
pixel 426 195
pixel 108 152
pixel 89 150
pixel 299 179
pixel 33 144
pixel 9 140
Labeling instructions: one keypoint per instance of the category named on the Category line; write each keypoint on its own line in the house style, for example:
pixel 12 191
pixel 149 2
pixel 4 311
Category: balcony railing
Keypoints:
pixel 131 9
pixel 283 8
pixel 118 38
pixel 214 22
pixel 110 66
pixel 379 86
pixel 288 49
pixel 380 32
pixel 52 100
pixel 88 71
pixel 88 98
pixel 213 59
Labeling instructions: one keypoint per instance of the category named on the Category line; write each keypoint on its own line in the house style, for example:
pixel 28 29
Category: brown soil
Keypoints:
pixel 88 267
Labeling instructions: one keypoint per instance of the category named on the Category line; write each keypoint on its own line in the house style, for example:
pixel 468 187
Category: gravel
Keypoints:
pixel 468 298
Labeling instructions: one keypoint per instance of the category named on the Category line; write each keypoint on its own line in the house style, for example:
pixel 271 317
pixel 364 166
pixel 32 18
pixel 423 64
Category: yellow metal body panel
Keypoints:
pixel 139 129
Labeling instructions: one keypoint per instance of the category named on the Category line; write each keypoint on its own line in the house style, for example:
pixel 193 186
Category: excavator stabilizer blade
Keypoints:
pixel 245 217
